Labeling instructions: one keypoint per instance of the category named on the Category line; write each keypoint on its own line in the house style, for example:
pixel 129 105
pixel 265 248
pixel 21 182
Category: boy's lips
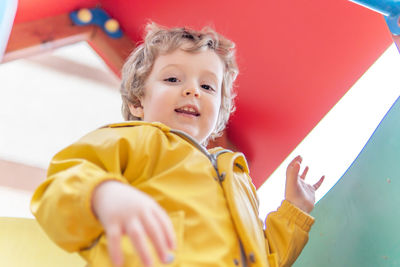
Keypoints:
pixel 189 110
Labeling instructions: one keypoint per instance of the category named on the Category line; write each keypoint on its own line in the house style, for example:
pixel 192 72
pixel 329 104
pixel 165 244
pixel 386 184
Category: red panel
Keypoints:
pixel 297 59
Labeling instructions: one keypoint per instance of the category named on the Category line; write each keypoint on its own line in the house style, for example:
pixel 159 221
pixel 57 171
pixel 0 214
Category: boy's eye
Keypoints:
pixel 171 79
pixel 207 87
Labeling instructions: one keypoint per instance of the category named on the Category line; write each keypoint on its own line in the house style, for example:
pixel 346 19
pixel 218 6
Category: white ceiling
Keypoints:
pixel 50 100
pixel 47 102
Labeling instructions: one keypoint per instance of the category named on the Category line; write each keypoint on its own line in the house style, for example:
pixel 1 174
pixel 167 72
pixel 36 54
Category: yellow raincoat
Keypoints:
pixel 207 194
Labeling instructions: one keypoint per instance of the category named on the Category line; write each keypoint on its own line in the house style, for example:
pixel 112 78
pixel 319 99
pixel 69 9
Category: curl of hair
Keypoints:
pixel 161 40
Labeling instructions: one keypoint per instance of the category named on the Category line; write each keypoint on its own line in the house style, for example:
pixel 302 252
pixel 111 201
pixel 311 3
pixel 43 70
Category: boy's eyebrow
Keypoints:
pixel 180 66
pixel 170 65
pixel 213 75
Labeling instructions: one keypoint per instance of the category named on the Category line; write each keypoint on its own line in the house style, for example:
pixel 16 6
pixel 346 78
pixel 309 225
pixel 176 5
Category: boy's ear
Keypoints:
pixel 136 111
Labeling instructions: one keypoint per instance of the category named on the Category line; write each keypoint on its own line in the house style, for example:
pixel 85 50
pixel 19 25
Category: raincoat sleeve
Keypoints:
pixel 286 234
pixel 62 204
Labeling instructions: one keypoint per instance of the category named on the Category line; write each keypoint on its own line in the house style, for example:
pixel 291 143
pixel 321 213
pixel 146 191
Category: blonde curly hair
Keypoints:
pixel 161 40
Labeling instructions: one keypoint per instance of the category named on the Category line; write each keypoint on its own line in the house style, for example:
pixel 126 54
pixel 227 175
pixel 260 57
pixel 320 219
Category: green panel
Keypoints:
pixel 358 220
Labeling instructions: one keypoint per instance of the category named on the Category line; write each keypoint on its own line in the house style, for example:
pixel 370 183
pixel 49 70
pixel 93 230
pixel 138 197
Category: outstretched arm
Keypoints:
pixel 287 229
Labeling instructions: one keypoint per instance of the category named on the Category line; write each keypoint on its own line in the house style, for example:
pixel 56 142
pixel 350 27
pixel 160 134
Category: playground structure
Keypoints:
pixel 308 61
pixel 324 230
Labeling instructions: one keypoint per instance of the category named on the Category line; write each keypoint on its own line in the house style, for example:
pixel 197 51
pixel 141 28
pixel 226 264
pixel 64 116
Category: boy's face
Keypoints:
pixel 183 91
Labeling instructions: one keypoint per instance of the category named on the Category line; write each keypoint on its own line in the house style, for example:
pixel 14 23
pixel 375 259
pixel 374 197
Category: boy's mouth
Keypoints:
pixel 189 110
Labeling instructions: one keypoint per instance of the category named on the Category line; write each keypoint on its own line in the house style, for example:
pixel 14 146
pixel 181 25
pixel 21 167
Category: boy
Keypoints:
pixel 148 192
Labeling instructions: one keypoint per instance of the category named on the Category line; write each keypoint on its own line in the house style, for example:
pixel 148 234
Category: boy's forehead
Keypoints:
pixel 206 60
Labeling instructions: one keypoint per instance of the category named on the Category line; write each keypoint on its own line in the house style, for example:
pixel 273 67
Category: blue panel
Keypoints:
pixel 99 18
pixel 389 8
pixel 385 7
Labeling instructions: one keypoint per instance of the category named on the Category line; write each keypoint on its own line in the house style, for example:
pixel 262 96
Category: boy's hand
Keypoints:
pixel 298 192
pixel 123 209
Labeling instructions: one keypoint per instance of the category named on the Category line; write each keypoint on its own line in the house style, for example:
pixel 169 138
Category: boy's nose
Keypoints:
pixel 191 91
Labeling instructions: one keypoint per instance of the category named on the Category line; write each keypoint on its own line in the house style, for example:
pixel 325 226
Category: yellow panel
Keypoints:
pixel 23 243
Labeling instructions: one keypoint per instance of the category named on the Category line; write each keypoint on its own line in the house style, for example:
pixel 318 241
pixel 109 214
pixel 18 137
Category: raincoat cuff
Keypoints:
pixel 296 215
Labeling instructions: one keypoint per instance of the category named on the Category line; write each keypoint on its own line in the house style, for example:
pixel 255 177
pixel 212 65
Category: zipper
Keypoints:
pixel 221 176
pixel 211 157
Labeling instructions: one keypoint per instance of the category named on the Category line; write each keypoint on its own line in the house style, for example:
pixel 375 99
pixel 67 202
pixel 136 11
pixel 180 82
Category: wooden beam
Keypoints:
pixel 114 52
pixel 43 35
pixel 35 37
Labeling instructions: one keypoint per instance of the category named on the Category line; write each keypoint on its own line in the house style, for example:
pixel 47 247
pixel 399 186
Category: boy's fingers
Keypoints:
pixel 113 233
pixel 318 184
pixel 136 233
pixel 154 231
pixel 292 172
pixel 166 227
pixel 303 175
pixel 296 159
